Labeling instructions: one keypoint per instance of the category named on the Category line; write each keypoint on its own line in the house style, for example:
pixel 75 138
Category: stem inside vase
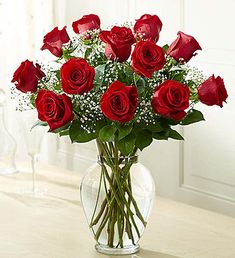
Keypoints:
pixel 118 214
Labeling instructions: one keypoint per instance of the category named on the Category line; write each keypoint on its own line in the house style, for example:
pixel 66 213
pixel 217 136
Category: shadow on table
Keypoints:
pixel 142 254
pixel 152 254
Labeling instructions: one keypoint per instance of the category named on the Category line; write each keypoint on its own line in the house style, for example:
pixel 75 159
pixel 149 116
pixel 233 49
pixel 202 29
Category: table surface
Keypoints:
pixel 53 225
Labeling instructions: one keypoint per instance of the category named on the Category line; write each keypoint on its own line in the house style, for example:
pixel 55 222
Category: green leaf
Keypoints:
pixel 99 125
pixel 61 129
pixel 123 131
pixel 57 73
pixel 78 134
pixel 39 123
pixel 33 99
pixel 175 135
pixel 165 122
pixel 165 48
pixel 57 86
pixel 178 77
pixel 99 75
pixel 193 116
pixel 164 135
pixel 157 127
pixel 106 134
pixel 143 139
pixel 128 74
pixel 87 52
pixel 64 133
pixel 127 144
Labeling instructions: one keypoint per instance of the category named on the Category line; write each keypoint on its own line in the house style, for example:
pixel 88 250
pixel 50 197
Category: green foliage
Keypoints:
pixel 164 135
pixel 165 48
pixel 156 127
pixel 87 52
pixel 193 116
pixel 127 144
pixel 33 99
pixel 106 134
pixel 143 139
pixel 140 84
pixel 175 135
pixel 124 130
pixel 38 123
pixel 61 129
pixel 79 134
pixel 64 133
pixel 99 75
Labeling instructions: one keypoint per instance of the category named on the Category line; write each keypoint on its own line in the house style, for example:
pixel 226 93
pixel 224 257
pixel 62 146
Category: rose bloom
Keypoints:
pixel 87 22
pixel 119 102
pixel 148 26
pixel 77 76
pixel 212 91
pixel 26 76
pixel 170 99
pixel 55 109
pixel 147 58
pixel 184 47
pixel 118 43
pixel 54 40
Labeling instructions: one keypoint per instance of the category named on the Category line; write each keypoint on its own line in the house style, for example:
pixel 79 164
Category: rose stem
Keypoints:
pixel 97 199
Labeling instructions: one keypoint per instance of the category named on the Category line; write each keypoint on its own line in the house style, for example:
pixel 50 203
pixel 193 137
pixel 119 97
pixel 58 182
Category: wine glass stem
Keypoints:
pixel 33 172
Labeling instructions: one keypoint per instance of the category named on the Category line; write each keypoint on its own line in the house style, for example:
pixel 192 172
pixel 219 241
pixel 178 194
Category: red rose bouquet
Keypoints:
pixel 121 88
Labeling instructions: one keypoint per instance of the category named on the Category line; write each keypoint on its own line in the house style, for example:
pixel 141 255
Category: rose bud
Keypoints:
pixel 55 109
pixel 212 91
pixel 77 76
pixel 183 47
pixel 119 102
pixel 147 58
pixel 26 77
pixel 148 26
pixel 118 43
pixel 54 40
pixel 170 99
pixel 87 22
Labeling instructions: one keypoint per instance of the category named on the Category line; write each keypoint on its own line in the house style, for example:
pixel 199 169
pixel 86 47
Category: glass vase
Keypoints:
pixel 117 195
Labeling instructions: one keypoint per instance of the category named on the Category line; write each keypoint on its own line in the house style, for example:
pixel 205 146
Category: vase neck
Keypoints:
pixel 122 160
pixel 110 150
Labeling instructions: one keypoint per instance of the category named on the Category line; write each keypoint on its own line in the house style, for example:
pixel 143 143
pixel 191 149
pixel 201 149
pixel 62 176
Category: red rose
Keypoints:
pixel 55 109
pixel 54 40
pixel 77 76
pixel 119 102
pixel 26 77
pixel 87 22
pixel 212 91
pixel 183 47
pixel 118 43
pixel 149 26
pixel 147 58
pixel 170 99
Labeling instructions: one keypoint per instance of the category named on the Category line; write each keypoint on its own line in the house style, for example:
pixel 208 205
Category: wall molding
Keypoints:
pixel 182 184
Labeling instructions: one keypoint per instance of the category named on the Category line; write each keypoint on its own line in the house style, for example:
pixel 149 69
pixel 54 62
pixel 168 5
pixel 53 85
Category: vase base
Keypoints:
pixel 104 249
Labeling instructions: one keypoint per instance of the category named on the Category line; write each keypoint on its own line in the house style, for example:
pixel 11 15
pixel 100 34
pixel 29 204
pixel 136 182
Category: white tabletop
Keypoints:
pixel 54 226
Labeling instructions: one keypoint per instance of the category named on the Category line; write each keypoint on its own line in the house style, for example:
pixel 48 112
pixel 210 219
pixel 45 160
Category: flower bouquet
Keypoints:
pixel 120 88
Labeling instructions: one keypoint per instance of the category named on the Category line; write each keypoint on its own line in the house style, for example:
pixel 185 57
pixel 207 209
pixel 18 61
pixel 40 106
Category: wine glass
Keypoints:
pixel 7 142
pixel 33 136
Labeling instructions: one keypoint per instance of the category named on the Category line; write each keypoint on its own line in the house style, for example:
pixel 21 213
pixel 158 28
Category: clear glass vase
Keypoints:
pixel 117 195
